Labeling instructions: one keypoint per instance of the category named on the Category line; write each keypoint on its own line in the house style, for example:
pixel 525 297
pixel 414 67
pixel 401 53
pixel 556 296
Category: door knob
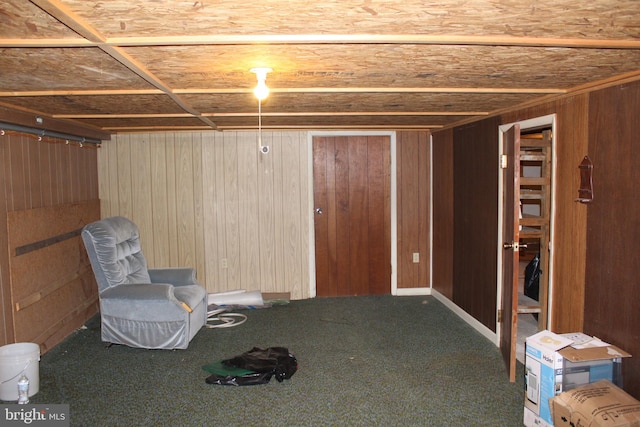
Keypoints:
pixel 319 211
pixel 515 246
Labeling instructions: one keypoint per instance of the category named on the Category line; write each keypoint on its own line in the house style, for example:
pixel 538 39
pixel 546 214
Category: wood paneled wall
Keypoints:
pixel 594 266
pixel 465 227
pixel 34 175
pixel 46 173
pixel 611 302
pixel 201 198
pixel 413 199
pixel 210 200
pixel 570 218
pixel 569 246
pixel 442 244
pixel 475 213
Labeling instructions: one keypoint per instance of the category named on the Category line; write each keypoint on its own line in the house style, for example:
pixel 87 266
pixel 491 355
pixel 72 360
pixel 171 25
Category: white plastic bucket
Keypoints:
pixel 16 359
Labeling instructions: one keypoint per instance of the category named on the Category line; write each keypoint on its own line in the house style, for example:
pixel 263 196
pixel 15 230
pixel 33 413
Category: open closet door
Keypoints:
pixel 508 314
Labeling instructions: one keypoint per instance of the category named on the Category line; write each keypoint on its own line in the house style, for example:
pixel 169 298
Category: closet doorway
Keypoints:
pixel 526 181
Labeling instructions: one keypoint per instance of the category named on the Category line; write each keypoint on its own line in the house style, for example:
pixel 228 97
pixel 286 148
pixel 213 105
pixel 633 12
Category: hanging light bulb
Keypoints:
pixel 261 90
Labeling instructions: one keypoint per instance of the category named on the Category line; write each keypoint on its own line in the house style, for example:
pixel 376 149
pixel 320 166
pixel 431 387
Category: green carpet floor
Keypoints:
pixel 363 361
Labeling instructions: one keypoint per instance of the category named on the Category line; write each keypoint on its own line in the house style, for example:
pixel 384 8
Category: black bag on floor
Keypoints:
pixel 532 278
pixel 259 365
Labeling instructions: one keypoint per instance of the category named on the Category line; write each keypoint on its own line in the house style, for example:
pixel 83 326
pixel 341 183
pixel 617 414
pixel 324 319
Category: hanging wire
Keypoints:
pixel 263 149
pixel 259 124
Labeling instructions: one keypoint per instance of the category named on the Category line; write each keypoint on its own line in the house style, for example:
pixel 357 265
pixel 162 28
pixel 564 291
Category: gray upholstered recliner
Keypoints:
pixel 140 307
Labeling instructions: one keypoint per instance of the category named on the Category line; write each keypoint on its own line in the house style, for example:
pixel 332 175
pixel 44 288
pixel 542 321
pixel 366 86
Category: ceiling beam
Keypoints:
pixel 276 114
pixel 122 116
pixel 46 43
pixel 377 90
pixel 352 113
pixel 446 39
pixel 106 92
pixel 126 129
pixel 423 90
pixel 66 92
pixel 95 39
pixel 333 127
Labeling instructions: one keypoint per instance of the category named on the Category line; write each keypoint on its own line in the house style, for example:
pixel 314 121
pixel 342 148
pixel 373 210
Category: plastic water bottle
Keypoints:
pixel 23 389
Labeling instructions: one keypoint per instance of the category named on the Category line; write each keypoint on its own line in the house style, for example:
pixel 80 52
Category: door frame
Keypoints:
pixel 394 213
pixel 525 125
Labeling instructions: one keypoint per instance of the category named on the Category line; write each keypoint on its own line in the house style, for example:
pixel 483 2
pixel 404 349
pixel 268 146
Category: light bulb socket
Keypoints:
pixel 261 72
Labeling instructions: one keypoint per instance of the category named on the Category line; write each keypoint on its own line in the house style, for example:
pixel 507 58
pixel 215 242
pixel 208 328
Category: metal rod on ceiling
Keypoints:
pixel 49 133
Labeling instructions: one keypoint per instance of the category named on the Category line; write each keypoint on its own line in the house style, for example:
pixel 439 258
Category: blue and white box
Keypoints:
pixel 543 376
pixel 554 363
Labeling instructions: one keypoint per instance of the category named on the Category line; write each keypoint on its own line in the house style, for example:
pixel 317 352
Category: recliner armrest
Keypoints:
pixel 176 276
pixel 141 292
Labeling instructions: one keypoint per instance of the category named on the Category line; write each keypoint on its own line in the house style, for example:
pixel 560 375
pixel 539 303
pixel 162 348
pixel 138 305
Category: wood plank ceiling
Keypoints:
pixel 139 65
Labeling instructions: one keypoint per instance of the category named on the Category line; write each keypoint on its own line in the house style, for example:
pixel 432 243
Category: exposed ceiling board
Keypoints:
pixel 145 122
pixel 350 103
pixel 270 122
pixel 383 65
pixel 49 69
pixel 22 20
pixel 159 64
pixel 558 18
pixel 116 105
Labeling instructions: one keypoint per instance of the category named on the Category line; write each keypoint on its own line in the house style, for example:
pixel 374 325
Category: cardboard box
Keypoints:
pixel 599 404
pixel 549 357
pixel 588 360
pixel 581 373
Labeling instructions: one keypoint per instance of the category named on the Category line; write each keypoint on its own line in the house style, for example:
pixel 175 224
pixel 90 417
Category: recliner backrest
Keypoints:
pixel 113 246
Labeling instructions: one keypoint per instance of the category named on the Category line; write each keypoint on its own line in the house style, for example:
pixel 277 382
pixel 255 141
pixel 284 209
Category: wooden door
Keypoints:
pixel 510 258
pixel 351 180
